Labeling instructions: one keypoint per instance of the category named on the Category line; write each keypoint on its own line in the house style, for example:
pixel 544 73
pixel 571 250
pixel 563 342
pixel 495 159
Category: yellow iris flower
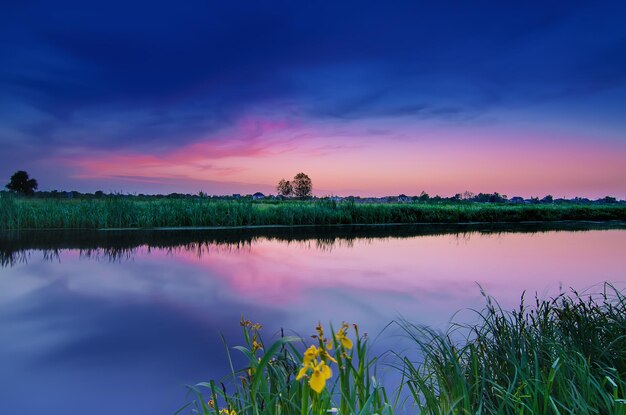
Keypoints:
pixel 313 353
pixel 316 360
pixel 342 338
pixel 320 371
pixel 309 355
pixel 320 374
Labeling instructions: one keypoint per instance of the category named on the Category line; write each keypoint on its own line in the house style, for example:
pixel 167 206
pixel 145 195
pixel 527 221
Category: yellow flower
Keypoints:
pixel 313 353
pixel 256 345
pixel 302 372
pixel 211 403
pixel 227 412
pixel 320 330
pixel 321 373
pixel 248 323
pixel 310 354
pixel 342 338
pixel 315 360
pixel 252 370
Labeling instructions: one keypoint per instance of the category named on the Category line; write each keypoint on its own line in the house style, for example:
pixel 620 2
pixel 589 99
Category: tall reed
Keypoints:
pixel 565 355
pixel 135 212
pixel 281 379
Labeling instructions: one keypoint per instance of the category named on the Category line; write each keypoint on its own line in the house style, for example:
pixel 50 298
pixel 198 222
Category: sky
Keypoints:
pixel 368 98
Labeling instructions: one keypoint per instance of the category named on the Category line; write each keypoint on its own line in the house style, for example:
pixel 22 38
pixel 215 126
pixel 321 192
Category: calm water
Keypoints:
pixel 117 322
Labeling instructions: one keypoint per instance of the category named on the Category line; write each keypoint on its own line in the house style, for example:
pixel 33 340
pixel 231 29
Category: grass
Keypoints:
pixel 565 355
pixel 280 379
pixel 136 212
pixel 562 356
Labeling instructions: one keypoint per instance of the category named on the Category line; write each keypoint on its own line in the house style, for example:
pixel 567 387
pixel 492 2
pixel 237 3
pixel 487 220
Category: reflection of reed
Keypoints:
pixel 51 255
pixel 199 249
pixel 327 244
pixel 14 258
pixel 16 247
pixel 463 238
pixel 110 254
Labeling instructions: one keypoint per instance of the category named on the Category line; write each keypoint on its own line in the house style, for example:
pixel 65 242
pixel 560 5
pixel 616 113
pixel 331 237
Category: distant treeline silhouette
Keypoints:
pixel 424 197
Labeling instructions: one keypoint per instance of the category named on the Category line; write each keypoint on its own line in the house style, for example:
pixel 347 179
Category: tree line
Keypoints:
pixel 21 183
pixel 301 186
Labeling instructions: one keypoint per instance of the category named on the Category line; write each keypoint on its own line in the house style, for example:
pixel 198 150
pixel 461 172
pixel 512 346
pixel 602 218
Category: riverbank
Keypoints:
pixel 135 212
pixel 561 355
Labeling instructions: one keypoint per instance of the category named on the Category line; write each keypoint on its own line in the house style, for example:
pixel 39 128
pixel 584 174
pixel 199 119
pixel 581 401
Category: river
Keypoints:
pixel 117 322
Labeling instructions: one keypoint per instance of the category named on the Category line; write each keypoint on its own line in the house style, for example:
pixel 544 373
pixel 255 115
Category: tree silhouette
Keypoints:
pixel 21 183
pixel 284 187
pixel 302 185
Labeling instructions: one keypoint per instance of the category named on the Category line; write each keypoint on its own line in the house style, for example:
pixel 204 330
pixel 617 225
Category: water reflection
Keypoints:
pixel 125 319
pixel 17 247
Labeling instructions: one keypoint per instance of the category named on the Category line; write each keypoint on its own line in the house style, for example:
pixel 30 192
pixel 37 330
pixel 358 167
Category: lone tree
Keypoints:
pixel 21 183
pixel 284 187
pixel 302 185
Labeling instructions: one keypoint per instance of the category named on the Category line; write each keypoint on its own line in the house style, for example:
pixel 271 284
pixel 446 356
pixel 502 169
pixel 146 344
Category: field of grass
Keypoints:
pixel 565 355
pixel 135 212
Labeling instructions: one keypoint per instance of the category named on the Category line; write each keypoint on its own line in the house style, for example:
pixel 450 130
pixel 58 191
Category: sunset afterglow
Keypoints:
pixel 225 98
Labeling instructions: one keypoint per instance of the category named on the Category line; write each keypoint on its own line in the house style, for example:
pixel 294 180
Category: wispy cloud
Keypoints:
pixel 232 93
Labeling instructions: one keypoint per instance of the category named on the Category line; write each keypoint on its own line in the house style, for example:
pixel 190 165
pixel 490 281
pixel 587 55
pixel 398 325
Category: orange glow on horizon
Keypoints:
pixel 259 153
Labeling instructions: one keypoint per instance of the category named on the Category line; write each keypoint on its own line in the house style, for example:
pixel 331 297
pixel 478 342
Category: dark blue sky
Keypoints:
pixel 85 83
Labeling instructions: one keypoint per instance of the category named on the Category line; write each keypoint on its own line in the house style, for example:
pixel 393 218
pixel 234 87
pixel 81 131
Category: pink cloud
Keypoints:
pixel 250 138
pixel 346 159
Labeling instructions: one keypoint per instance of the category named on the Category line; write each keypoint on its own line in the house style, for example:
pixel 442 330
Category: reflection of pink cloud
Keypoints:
pixel 425 279
pixel 274 272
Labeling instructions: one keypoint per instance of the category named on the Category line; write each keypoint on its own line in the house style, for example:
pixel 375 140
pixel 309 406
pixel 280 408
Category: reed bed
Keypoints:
pixel 135 212
pixel 565 355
